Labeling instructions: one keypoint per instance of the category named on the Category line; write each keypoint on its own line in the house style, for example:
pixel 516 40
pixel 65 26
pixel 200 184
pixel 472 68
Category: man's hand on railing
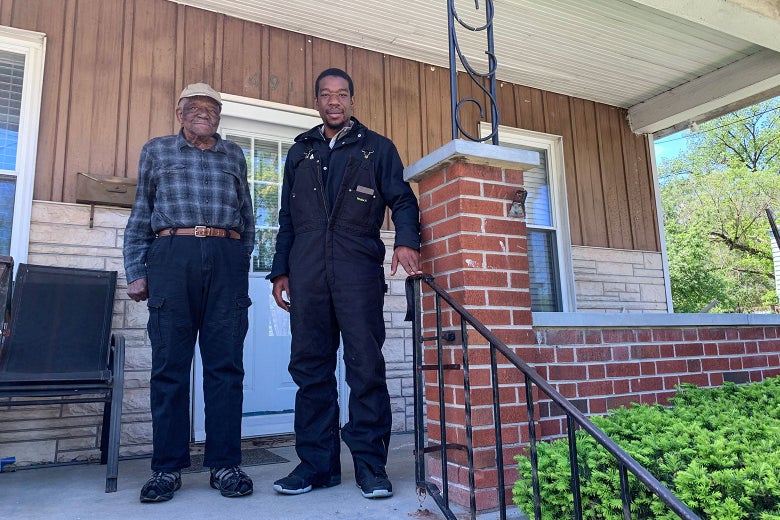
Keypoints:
pixel 408 258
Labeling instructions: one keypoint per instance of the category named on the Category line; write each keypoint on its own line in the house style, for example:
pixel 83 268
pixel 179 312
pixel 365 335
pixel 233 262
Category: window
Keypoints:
pixel 549 244
pixel 265 168
pixel 21 83
pixel 265 131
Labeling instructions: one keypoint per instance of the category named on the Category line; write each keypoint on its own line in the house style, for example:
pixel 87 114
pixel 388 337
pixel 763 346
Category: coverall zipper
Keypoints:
pixel 322 190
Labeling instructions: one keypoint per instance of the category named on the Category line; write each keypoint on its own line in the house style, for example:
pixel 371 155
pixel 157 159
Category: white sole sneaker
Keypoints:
pixel 377 493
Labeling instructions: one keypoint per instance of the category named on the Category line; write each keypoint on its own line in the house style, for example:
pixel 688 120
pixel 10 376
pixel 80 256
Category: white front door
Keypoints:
pixel 265 133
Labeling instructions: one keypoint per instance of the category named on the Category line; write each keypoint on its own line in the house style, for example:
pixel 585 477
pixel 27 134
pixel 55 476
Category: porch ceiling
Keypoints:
pixel 669 62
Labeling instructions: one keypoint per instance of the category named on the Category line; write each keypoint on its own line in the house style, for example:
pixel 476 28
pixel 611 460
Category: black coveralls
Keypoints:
pixel 332 208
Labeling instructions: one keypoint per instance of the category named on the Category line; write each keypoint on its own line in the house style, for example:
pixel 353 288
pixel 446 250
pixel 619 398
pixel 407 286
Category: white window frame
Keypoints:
pixel 556 177
pixel 33 46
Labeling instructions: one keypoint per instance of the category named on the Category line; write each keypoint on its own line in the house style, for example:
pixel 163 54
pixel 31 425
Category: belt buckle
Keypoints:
pixel 200 231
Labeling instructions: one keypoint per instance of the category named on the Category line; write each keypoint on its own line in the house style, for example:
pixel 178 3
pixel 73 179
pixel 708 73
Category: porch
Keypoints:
pixel 77 492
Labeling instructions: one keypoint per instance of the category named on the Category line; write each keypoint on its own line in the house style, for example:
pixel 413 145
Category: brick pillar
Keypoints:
pixel 477 252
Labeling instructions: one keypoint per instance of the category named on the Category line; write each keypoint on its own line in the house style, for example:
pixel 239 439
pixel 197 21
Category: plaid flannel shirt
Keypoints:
pixel 182 186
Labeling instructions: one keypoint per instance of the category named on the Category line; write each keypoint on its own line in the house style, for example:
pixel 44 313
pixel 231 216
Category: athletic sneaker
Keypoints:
pixel 161 486
pixel 373 482
pixel 231 482
pixel 293 484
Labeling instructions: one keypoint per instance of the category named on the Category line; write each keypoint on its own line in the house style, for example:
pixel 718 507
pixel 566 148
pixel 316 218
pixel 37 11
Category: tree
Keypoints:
pixel 714 197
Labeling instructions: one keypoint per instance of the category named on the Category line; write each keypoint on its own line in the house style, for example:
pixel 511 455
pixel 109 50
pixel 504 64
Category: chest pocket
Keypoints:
pixel 307 198
pixel 360 204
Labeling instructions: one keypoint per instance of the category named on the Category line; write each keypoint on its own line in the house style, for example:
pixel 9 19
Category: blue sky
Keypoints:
pixel 670 146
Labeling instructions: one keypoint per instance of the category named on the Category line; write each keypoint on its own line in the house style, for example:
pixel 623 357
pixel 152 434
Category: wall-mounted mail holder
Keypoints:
pixel 104 190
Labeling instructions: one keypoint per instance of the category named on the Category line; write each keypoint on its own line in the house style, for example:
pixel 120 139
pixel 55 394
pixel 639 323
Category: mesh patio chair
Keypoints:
pixel 59 344
pixel 6 273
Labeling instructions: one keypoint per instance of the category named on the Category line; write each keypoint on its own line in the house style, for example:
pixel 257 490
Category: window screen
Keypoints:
pixel 11 79
pixel 542 243
pixel 265 159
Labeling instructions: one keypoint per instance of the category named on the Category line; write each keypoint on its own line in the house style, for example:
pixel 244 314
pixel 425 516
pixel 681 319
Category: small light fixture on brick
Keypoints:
pixel 517 210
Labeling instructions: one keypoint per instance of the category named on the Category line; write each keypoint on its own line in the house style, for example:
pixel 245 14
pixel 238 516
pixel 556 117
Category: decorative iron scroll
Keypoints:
pixel 474 75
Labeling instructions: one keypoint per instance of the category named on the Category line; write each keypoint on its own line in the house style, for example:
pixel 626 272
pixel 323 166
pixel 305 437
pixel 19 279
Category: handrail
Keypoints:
pixel 575 418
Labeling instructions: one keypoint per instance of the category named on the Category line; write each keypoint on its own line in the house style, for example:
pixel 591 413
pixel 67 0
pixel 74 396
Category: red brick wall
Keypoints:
pixel 478 254
pixel 603 369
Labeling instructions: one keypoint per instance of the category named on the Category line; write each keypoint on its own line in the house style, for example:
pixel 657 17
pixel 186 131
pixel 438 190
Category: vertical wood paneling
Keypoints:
pixel 404 103
pixel 94 96
pixel 423 108
pixel 412 115
pixel 114 69
pixel 613 178
pixel 326 54
pixel 57 23
pixel 218 43
pixel 529 107
pixel 106 91
pixel 557 121
pixel 153 76
pixel 589 184
pixel 505 96
pixel 240 73
pixel 62 144
pixel 436 117
pixel 123 111
pixel 367 71
pixel 641 190
pixel 287 60
pixel 6 9
pixel 199 35
pixel 81 93
pixel 178 78
pixel 23 15
pixel 648 187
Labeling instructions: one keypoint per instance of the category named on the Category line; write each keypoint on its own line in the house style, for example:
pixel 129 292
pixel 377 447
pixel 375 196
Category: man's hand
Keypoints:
pixel 408 258
pixel 281 289
pixel 137 290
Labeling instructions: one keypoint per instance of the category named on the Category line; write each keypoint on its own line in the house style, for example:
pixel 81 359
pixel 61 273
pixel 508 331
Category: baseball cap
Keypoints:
pixel 201 89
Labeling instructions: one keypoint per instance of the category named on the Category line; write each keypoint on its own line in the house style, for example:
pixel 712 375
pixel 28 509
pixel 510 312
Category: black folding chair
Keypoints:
pixel 6 273
pixel 59 344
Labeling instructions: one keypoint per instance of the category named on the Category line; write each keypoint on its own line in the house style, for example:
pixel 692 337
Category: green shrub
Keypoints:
pixel 717 450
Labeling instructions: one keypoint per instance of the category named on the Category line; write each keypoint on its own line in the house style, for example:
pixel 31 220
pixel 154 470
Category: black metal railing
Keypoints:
pixel 476 77
pixel 574 418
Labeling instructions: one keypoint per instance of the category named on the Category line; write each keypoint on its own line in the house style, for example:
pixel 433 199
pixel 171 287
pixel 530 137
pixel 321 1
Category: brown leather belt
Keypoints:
pixel 199 231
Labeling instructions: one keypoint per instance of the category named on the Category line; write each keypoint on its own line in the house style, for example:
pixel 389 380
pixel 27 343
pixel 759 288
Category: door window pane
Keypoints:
pixel 265 166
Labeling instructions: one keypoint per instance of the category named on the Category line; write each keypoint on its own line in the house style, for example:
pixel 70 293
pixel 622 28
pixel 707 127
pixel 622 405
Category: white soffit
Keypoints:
pixel 622 53
pixel 756 21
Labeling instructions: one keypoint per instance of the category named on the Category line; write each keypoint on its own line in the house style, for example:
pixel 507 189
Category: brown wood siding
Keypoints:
pixel 115 67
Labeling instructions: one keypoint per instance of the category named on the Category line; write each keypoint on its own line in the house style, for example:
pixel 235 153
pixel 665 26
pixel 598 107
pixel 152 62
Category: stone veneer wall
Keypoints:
pixel 60 235
pixel 618 280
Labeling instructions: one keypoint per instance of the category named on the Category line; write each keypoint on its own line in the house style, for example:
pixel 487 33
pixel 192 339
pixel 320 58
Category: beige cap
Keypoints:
pixel 201 89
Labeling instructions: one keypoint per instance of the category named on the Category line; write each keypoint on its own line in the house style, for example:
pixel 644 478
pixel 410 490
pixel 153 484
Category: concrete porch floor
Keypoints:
pixel 77 492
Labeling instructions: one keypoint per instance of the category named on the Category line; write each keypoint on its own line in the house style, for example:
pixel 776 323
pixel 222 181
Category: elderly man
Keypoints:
pixel 187 249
